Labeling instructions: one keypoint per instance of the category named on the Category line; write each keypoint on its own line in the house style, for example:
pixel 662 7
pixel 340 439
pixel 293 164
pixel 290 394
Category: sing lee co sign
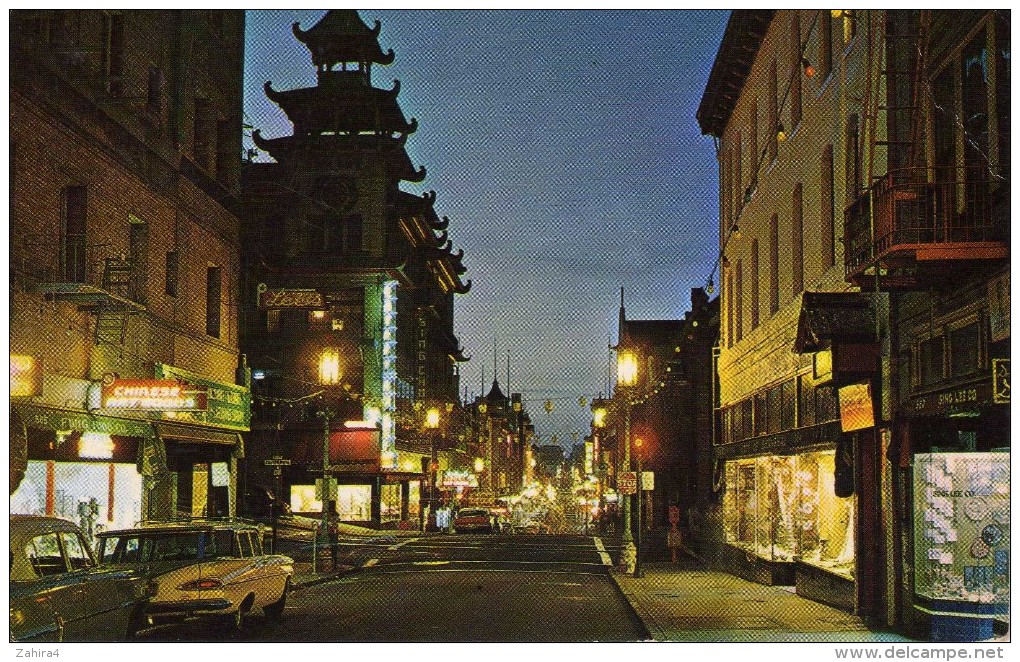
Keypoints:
pixel 152 395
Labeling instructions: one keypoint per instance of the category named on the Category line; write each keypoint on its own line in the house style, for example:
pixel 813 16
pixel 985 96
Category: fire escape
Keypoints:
pixel 111 301
pixel 918 223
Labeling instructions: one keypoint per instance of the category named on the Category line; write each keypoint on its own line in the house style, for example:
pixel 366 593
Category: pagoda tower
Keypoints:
pixel 342 261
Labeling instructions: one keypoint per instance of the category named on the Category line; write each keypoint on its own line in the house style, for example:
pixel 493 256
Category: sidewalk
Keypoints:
pixel 687 602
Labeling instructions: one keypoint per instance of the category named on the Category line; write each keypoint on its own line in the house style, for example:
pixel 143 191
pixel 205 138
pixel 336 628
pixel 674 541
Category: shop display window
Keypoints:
pixel 81 493
pixel 304 500
pixel 784 508
pixel 961 526
pixel 414 500
pixel 390 503
pixel 826 522
pixel 354 503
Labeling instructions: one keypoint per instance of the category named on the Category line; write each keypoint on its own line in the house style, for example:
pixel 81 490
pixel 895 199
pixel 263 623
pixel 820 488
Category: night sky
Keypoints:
pixel 564 148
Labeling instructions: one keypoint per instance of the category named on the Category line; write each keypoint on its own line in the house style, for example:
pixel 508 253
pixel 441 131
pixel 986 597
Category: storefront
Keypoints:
pixel 782 511
pixel 134 449
pixel 362 493
pixel 80 466
pixel 955 454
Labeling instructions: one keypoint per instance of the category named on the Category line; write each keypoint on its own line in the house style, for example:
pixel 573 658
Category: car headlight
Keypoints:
pixel 200 585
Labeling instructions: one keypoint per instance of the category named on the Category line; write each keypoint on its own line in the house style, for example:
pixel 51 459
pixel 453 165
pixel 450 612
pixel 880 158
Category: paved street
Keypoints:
pixel 457 588
pixel 528 588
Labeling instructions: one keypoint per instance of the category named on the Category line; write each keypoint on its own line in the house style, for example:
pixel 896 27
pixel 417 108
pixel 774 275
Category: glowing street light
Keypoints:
pixel 626 369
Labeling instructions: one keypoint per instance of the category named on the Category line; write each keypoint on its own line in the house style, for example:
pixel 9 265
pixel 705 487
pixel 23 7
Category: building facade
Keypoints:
pixel 666 415
pixel 348 293
pixel 126 396
pixel 862 232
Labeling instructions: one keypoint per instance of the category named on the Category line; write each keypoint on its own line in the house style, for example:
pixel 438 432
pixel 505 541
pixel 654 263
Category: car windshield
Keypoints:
pixel 144 547
pixel 472 513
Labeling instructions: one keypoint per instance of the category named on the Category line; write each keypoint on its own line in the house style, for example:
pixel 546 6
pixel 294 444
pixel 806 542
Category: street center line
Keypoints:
pixel 400 544
pixel 602 552
pixel 369 563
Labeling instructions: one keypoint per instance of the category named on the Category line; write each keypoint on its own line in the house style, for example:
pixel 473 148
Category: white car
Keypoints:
pixel 209 569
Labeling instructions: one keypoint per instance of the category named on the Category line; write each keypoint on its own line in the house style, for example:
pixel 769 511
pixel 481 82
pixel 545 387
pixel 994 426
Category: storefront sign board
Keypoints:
pixel 280 298
pixel 626 481
pixel 26 376
pixel 152 395
pixel 228 405
pixel 856 408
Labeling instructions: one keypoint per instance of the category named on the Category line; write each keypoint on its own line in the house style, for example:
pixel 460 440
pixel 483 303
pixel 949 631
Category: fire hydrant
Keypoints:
pixel 628 557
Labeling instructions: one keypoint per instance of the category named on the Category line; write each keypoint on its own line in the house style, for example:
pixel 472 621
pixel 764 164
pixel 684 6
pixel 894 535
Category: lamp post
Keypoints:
pixel 598 422
pixel 329 375
pixel 431 425
pixel 638 443
pixel 626 378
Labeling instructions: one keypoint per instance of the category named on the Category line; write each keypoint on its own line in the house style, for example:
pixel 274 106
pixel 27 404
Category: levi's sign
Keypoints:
pixel 153 395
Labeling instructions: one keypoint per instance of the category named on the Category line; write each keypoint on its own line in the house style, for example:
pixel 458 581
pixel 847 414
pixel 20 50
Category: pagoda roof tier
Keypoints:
pixel 407 204
pixel 340 108
pixel 341 36
pixel 448 268
pixel 304 147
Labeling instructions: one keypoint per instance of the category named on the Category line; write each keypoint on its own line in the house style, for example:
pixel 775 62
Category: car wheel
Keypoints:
pixel 231 622
pixel 275 610
pixel 138 620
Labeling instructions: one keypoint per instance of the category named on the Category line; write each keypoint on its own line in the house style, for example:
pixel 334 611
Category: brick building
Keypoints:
pixel 125 143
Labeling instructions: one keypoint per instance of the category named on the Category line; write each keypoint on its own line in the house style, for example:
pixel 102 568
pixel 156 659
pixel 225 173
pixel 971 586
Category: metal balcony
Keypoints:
pixel 918 227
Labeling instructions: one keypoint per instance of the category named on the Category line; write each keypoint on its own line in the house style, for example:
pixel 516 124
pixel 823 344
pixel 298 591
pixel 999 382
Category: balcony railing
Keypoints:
pixel 920 215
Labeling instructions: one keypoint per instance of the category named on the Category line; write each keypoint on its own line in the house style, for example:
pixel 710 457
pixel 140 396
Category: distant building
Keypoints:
pixel 348 293
pixel 671 410
pixel 126 396
pixel 499 431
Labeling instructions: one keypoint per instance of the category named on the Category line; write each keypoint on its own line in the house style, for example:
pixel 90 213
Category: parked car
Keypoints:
pixel 203 568
pixel 474 519
pixel 59 593
pixel 259 505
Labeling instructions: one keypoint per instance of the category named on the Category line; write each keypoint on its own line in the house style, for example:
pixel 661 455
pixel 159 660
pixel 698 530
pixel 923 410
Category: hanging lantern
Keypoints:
pixel 809 69
pixel 583 402
pixel 781 133
pixel 710 288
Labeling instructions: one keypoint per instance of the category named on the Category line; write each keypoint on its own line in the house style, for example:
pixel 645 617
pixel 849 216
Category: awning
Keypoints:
pixel 51 418
pixel 194 434
pixel 835 316
pixel 352 449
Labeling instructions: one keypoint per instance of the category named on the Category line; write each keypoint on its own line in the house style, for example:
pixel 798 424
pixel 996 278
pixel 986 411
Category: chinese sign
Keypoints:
pixel 152 395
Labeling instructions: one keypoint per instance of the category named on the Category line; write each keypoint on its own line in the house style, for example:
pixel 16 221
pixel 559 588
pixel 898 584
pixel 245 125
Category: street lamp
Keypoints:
pixel 431 425
pixel 329 375
pixel 626 378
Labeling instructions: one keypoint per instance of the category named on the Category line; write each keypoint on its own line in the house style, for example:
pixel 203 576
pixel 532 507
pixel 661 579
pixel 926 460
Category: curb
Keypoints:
pixel 297 585
pixel 632 604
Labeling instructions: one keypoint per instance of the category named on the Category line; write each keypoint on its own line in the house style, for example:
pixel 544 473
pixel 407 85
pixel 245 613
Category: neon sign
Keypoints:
pixel 153 395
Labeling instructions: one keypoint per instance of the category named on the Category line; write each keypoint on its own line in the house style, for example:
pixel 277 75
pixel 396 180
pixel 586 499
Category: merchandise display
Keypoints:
pixel 784 508
pixel 961 526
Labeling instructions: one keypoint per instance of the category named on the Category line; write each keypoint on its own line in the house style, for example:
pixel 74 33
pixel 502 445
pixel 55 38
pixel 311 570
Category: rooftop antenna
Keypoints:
pixel 508 372
pixel 495 367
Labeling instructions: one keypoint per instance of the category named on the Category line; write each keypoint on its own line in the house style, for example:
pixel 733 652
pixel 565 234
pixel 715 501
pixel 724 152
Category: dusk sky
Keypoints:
pixel 564 148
